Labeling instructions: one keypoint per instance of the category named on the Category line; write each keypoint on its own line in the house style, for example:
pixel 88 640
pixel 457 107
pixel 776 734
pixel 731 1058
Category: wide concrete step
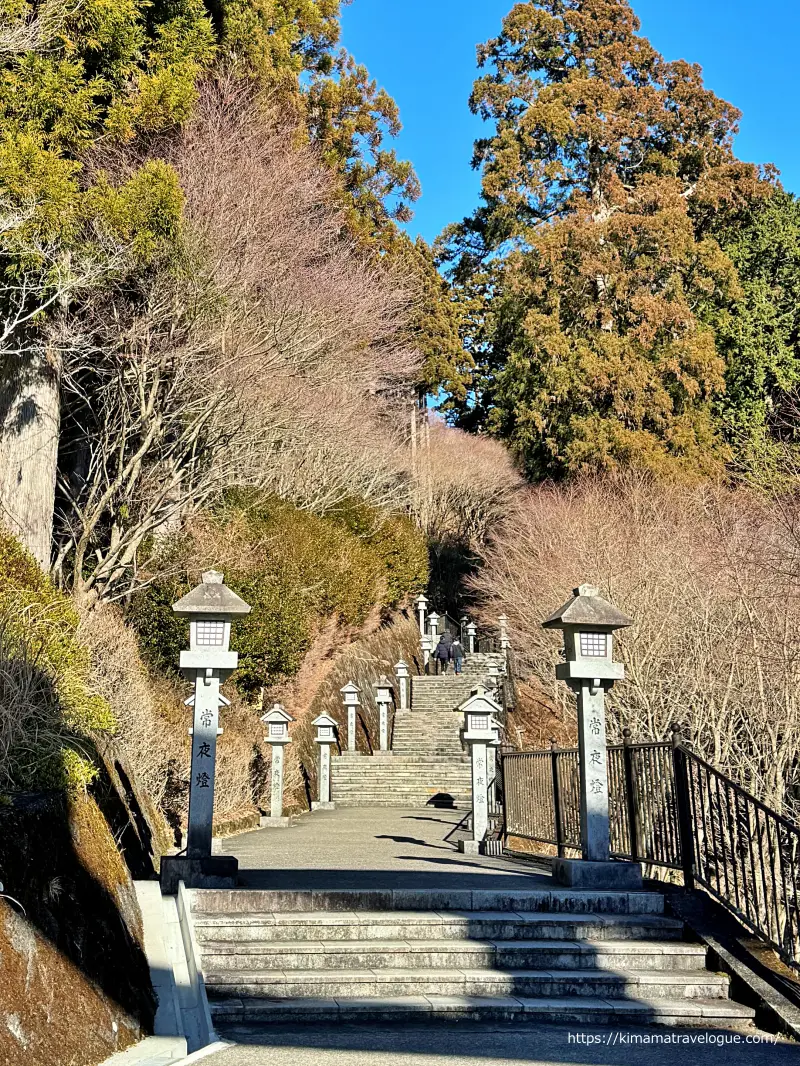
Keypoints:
pixel 430 1009
pixel 316 984
pixel 573 955
pixel 279 928
pixel 453 803
pixel 429 906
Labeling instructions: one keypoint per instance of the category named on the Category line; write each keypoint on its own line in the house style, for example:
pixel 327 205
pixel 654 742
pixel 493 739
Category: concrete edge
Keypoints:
pixel 152 1051
pixel 729 954
pixel 196 1056
pixel 184 907
pixel 168 1023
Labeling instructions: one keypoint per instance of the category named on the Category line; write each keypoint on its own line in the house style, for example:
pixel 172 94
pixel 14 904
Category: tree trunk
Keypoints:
pixel 29 432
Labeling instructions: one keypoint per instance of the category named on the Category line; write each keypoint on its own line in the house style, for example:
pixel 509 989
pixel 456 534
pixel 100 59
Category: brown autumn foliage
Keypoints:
pixel 711 576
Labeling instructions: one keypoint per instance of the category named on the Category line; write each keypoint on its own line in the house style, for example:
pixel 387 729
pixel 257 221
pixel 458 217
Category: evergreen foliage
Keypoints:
pixel 591 273
pixel 295 569
pixel 48 710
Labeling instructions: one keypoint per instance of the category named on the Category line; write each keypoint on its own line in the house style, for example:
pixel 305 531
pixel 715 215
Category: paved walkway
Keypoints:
pixel 472 1045
pixel 372 848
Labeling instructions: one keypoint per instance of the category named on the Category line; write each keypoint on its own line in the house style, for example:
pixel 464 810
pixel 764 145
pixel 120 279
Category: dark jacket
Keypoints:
pixel 447 637
pixel 442 650
pixel 456 649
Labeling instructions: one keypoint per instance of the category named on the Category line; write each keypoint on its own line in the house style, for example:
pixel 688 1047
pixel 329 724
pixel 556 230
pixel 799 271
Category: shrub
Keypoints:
pixel 711 577
pixel 293 568
pixel 48 707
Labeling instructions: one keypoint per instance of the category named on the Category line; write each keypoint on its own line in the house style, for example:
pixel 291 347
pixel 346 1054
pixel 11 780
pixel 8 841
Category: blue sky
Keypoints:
pixel 423 53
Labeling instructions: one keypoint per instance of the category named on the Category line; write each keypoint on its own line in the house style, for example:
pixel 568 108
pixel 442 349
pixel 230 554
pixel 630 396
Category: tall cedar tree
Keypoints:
pixel 590 275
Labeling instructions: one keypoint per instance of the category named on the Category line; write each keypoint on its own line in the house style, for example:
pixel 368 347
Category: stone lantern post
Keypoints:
pixel 426 644
pixel 505 640
pixel 350 693
pixel 210 607
pixel 480 732
pixel 401 672
pixel 383 698
pixel 433 625
pixel 588 623
pixel 325 738
pixel 421 604
pixel 471 630
pixel 277 722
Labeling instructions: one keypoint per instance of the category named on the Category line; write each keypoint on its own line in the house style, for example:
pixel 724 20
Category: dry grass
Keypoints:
pixel 711 577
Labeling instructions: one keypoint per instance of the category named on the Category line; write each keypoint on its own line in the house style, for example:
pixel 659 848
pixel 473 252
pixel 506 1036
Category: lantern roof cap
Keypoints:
pixel 211 596
pixel 482 699
pixel 382 682
pixel 586 607
pixel 324 719
pixel 351 686
pixel 401 665
pixel 277 713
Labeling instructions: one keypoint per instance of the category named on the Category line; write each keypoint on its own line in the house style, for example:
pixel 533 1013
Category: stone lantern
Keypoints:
pixel 401 672
pixel 383 698
pixel 350 694
pixel 588 623
pixel 421 605
pixel 433 625
pixel 480 732
pixel 277 722
pixel 210 607
pixel 325 738
pixel 471 630
pixel 505 640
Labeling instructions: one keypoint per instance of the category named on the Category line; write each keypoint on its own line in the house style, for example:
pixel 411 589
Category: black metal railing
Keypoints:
pixel 670 810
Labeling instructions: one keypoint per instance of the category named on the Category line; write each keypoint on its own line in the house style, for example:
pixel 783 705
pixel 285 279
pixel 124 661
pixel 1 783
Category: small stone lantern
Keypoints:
pixel 210 607
pixel 505 641
pixel 421 605
pixel 401 672
pixel 480 732
pixel 433 625
pixel 588 623
pixel 350 694
pixel 277 722
pixel 471 630
pixel 383 698
pixel 325 738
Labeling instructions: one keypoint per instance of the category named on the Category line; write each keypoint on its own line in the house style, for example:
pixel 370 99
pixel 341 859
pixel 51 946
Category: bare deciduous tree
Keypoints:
pixel 712 579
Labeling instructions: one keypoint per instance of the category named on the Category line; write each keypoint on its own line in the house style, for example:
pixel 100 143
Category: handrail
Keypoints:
pixel 670 809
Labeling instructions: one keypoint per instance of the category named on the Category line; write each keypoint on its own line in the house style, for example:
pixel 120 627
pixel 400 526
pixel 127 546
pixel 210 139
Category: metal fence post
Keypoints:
pixel 630 794
pixel 683 804
pixel 559 834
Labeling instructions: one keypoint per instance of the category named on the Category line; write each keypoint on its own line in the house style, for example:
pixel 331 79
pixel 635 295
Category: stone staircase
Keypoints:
pixel 427 765
pixel 371 956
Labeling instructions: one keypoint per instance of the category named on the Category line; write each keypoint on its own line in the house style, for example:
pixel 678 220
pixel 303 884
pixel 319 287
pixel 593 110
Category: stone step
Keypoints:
pixel 367 908
pixel 453 802
pixel 428 1009
pixel 558 928
pixel 551 955
pixel 318 984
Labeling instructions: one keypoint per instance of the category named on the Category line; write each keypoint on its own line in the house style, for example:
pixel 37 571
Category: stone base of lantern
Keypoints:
pixel 579 873
pixel 266 821
pixel 318 805
pixel 472 847
pixel 209 871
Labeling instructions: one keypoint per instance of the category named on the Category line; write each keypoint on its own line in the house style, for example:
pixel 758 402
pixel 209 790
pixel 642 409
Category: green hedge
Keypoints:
pixel 294 568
